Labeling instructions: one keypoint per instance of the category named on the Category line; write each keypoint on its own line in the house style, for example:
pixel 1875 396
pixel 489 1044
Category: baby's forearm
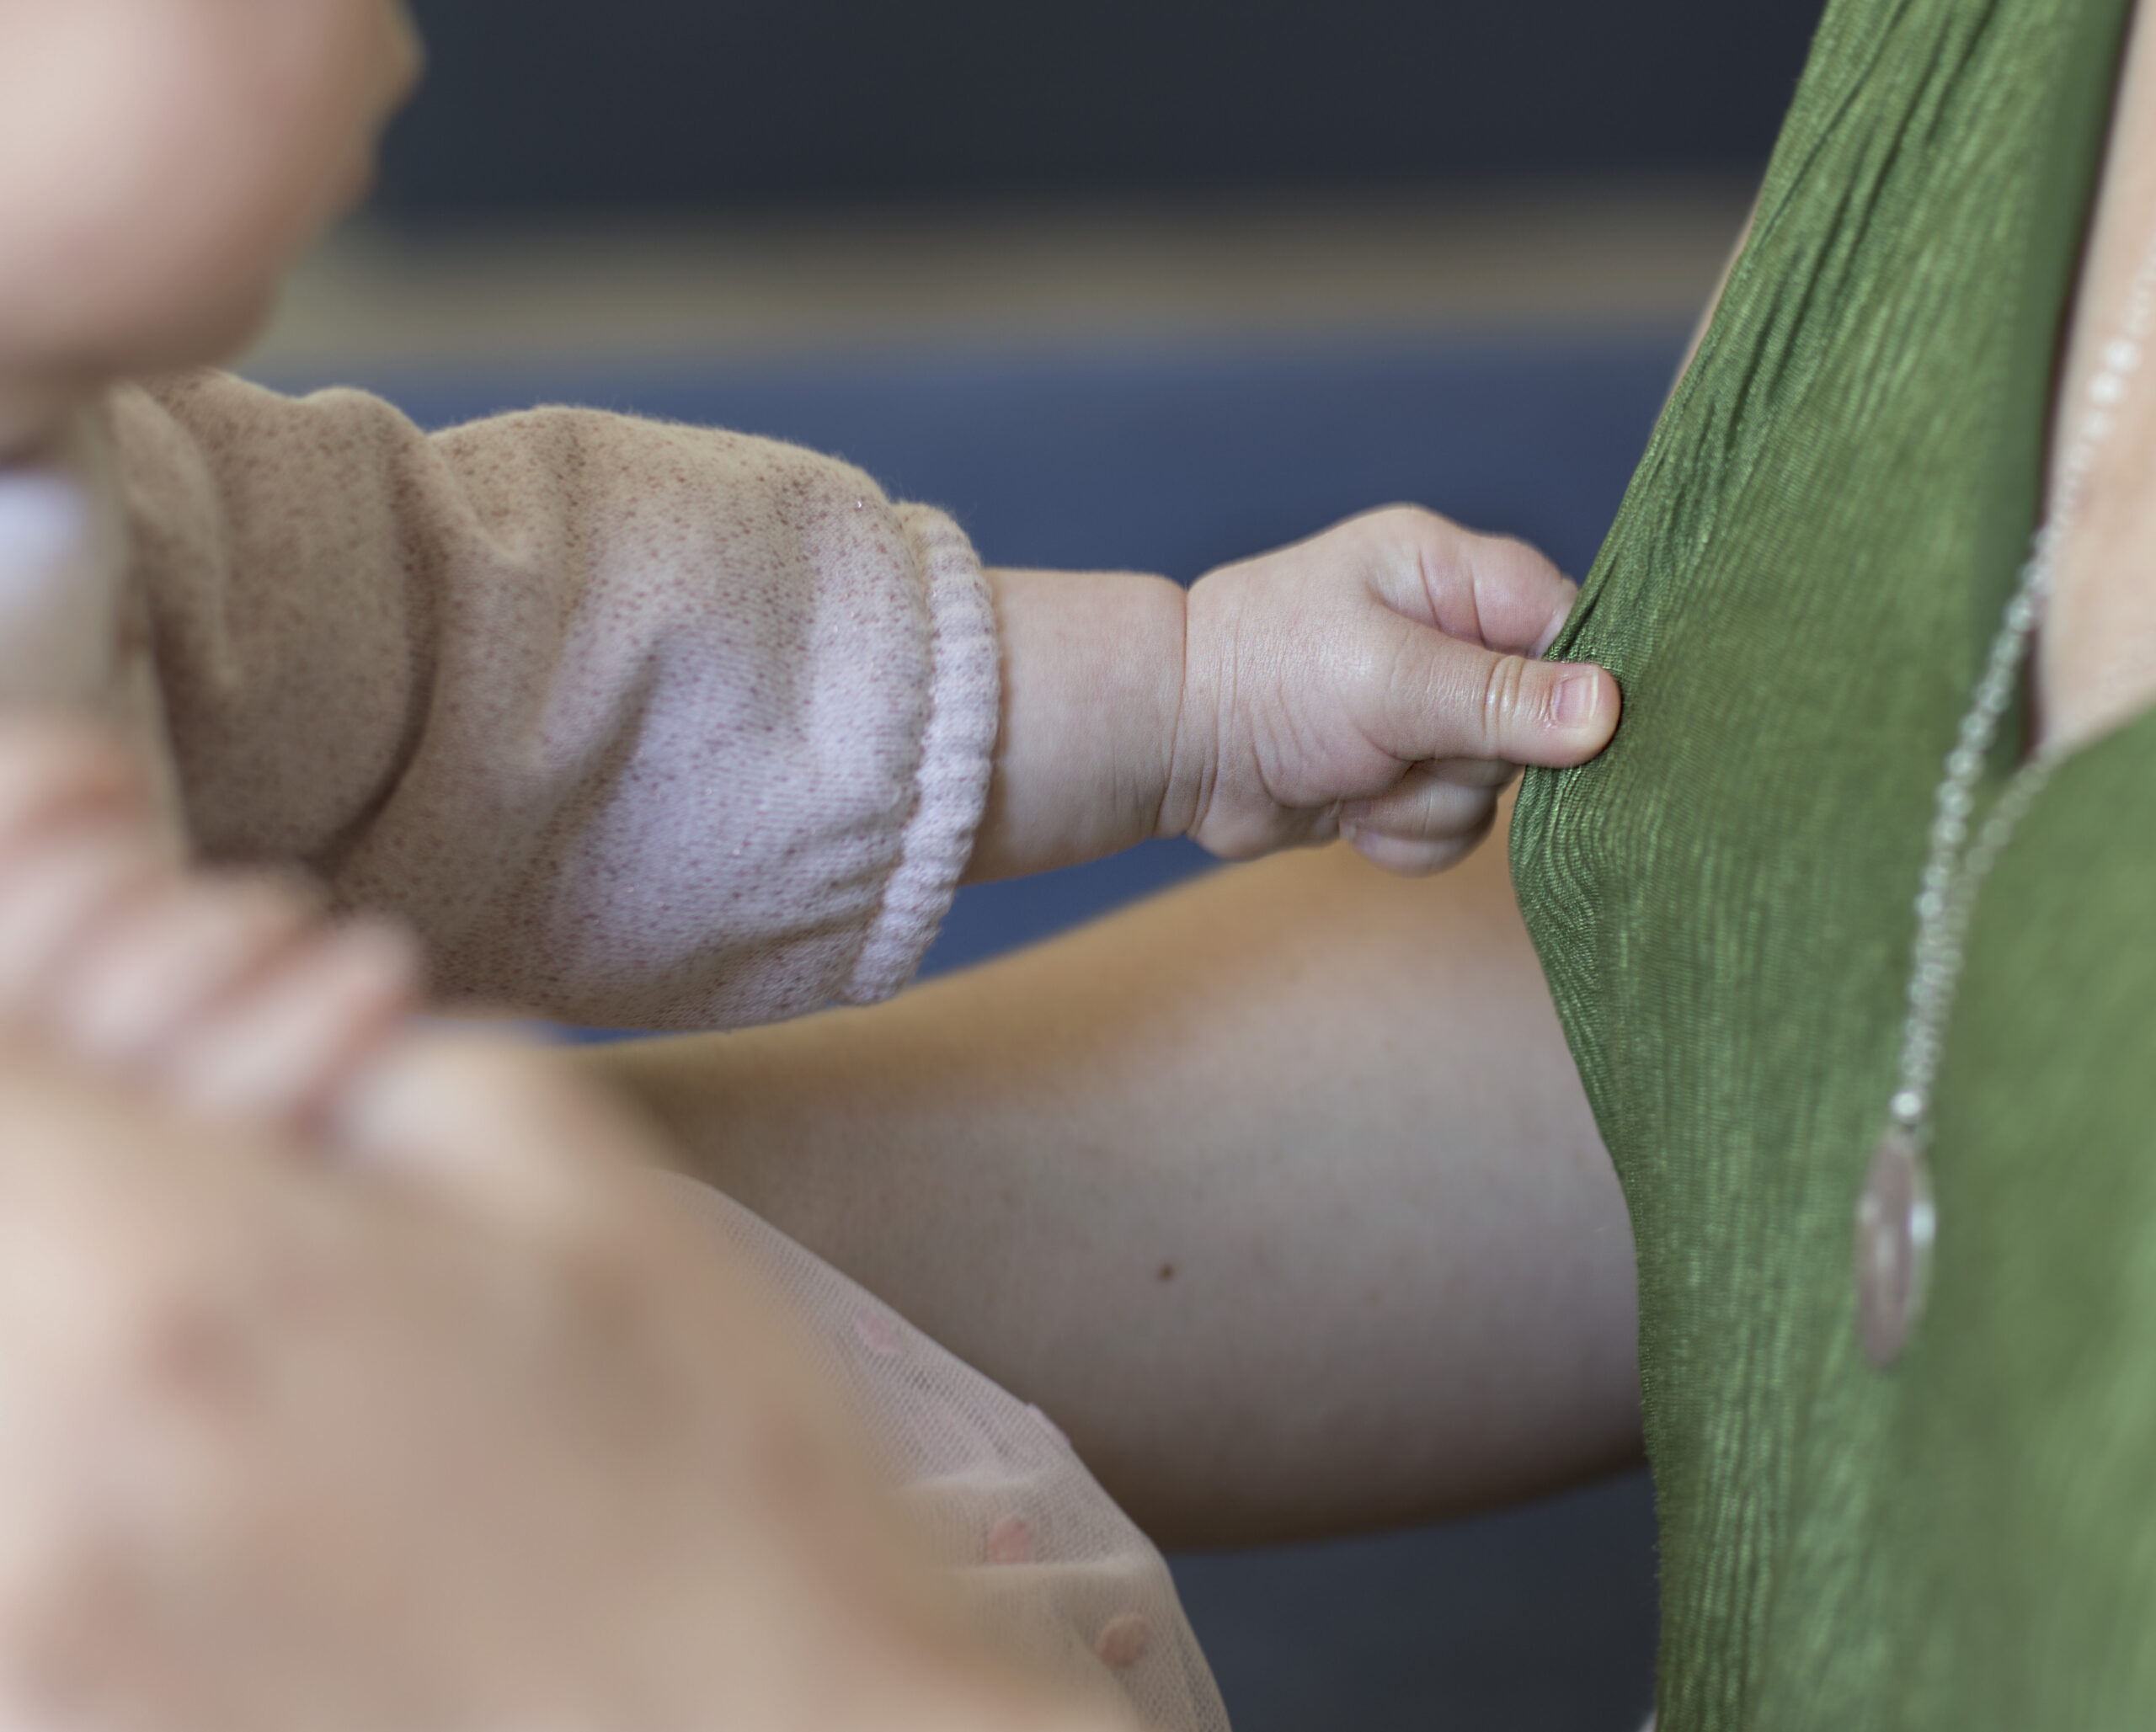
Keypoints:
pixel 1093 687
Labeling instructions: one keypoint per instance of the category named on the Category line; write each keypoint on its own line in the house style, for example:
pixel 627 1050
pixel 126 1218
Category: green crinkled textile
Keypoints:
pixel 1797 597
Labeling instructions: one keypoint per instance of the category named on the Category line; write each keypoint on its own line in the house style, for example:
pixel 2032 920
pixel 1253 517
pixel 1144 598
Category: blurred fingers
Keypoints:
pixel 57 889
pixel 280 1046
pixel 164 961
pixel 79 837
pixel 55 770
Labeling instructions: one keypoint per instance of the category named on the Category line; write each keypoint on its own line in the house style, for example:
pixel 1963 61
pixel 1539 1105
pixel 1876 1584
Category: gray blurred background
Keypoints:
pixel 554 105
pixel 1147 283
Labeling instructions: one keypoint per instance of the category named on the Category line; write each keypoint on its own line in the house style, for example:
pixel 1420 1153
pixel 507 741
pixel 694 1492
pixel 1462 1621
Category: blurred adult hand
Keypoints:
pixel 476 1431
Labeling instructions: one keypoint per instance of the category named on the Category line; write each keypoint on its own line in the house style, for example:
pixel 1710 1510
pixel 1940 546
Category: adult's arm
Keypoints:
pixel 1278 1192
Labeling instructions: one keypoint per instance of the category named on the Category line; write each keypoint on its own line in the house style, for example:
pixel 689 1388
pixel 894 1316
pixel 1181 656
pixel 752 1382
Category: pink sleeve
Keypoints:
pixel 638 724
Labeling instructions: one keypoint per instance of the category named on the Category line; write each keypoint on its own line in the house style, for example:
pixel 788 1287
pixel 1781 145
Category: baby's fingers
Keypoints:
pixel 1487 589
pixel 1434 817
pixel 157 968
pixel 78 839
pixel 54 771
pixel 1499 592
pixel 281 1047
pixel 58 889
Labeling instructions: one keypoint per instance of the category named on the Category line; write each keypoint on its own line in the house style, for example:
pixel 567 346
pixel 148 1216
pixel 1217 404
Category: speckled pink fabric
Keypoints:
pixel 638 724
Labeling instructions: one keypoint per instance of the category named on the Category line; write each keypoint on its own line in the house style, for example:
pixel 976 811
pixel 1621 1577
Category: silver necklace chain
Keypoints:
pixel 1956 867
pixel 1897 1220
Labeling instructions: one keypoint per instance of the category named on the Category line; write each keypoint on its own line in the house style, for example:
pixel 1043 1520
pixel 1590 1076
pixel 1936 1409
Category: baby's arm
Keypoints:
pixel 650 724
pixel 636 724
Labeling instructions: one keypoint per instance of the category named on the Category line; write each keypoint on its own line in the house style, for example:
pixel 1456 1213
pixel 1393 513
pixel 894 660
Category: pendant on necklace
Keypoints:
pixel 1897 1223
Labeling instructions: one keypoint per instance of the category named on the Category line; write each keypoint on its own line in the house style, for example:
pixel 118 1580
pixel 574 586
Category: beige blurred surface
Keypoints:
pixel 1568 254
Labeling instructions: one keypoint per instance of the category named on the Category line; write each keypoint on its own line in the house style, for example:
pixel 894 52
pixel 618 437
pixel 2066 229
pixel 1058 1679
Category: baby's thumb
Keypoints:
pixel 1470 702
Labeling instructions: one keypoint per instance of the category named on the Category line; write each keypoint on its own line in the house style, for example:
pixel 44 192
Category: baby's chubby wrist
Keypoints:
pixel 1092 695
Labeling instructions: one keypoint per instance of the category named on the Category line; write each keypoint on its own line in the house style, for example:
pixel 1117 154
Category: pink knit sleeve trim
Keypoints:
pixel 957 755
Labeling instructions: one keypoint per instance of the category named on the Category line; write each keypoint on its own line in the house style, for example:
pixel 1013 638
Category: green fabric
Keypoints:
pixel 1796 597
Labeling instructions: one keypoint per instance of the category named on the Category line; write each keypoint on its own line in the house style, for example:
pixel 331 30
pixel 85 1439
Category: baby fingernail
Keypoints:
pixel 1578 701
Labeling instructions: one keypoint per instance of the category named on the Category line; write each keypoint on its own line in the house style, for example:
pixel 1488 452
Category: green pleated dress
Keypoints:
pixel 1797 597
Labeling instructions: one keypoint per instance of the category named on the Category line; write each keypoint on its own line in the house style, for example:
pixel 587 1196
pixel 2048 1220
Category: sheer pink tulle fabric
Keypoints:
pixel 1055 1568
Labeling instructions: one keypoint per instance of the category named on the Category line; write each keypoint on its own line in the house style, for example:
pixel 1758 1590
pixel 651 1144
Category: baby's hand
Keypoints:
pixel 230 993
pixel 1380 682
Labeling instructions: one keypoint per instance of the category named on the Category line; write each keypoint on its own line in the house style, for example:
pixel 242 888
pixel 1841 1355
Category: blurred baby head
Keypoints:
pixel 161 161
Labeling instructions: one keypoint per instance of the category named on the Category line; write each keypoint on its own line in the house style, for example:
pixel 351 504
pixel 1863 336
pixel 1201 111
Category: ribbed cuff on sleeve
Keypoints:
pixel 958 753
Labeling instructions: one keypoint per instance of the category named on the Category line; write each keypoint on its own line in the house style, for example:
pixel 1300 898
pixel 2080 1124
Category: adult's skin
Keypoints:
pixel 1280 1191
pixel 480 1433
